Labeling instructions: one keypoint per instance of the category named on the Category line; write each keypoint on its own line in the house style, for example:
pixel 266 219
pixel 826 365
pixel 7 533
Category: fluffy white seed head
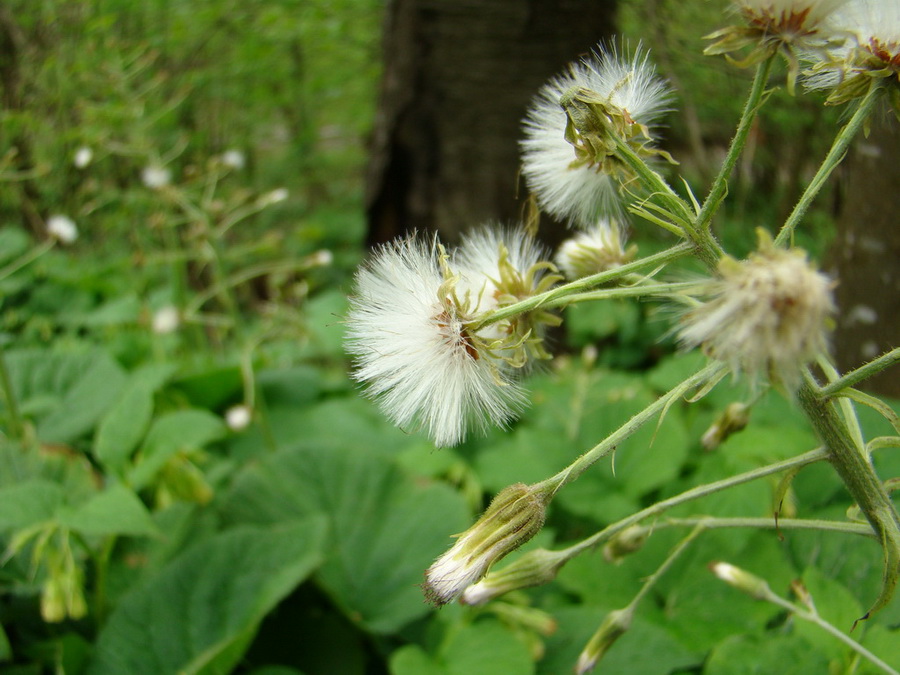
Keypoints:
pixel 62 228
pixel 407 329
pixel 766 315
pixel 580 194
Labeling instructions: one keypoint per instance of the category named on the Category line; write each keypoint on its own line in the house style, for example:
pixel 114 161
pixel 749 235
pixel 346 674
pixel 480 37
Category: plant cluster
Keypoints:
pixel 442 338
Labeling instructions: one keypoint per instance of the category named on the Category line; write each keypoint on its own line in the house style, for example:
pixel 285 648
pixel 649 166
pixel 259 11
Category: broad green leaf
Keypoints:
pixel 68 392
pixel 123 427
pixel 28 503
pixel 386 529
pixel 754 654
pixel 413 660
pixel 179 431
pixel 198 614
pixel 116 510
pixel 885 644
pixel 486 648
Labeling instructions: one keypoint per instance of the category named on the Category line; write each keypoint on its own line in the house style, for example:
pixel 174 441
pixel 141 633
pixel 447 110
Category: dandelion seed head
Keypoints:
pixel 579 194
pixel 414 351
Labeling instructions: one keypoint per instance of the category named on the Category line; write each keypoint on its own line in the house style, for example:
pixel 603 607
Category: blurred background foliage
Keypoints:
pixel 190 483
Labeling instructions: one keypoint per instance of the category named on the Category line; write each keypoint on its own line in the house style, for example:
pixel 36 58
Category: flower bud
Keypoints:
pixel 750 584
pixel 613 627
pixel 735 418
pixel 535 568
pixel 512 518
pixel 625 543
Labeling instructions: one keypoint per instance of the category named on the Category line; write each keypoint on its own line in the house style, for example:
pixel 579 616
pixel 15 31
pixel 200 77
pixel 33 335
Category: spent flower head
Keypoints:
pixel 62 228
pixel 614 626
pixel 166 320
pixel 764 315
pixel 598 249
pixel 514 516
pixel 567 155
pixel 869 54
pixel 410 331
pixel 789 27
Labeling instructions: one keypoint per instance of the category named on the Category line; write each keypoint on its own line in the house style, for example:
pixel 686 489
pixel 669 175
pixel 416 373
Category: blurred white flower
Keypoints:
pixel 83 157
pixel 595 250
pixel 62 228
pixel 321 258
pixel 766 315
pixel 238 417
pixel 273 197
pixel 233 159
pixel 408 329
pixel 156 177
pixel 166 320
pixel 573 190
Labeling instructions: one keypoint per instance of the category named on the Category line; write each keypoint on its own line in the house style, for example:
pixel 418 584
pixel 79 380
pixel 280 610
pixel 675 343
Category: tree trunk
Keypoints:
pixel 866 253
pixel 458 78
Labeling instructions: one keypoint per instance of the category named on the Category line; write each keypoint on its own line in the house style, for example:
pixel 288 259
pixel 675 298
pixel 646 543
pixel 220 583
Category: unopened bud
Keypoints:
pixel 613 627
pixel 535 568
pixel 734 419
pixel 512 518
pixel 53 600
pixel 750 584
pixel 625 543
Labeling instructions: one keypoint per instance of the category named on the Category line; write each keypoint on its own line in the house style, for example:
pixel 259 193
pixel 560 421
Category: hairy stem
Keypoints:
pixel 832 159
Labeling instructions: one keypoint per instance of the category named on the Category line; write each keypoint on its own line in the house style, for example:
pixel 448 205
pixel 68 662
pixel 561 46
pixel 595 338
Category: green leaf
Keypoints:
pixel 413 660
pixel 834 603
pixel 386 529
pixel 123 427
pixel 179 431
pixel 116 510
pixel 70 392
pixel 486 648
pixel 28 503
pixel 198 614
pixel 753 654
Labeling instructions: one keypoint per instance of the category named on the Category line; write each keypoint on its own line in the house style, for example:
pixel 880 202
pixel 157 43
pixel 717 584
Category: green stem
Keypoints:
pixel 813 617
pixel 609 444
pixel 855 469
pixel 16 423
pixel 719 188
pixel 27 258
pixel 666 564
pixel 865 371
pixel 655 290
pixel 554 294
pixel 704 244
pixel 712 523
pixel 832 159
pixel 692 494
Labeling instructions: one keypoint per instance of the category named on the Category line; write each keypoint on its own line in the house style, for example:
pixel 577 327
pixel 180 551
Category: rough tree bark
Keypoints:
pixel 458 77
pixel 866 253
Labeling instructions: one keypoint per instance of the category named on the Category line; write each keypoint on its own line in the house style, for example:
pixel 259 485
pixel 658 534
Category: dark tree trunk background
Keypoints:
pixel 866 253
pixel 458 77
